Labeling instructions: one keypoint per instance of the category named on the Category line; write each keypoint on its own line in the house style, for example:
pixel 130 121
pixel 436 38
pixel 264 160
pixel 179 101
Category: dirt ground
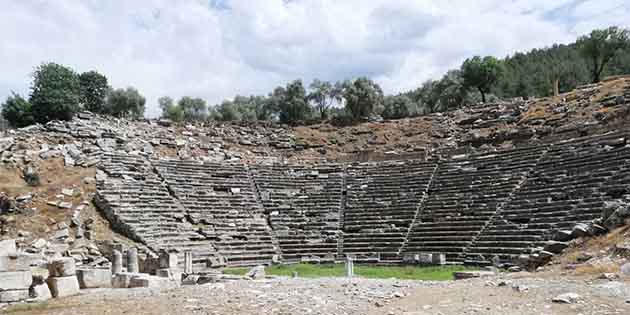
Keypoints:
pixel 506 294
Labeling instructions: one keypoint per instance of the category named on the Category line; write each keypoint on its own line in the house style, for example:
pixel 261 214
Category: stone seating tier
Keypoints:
pixel 470 208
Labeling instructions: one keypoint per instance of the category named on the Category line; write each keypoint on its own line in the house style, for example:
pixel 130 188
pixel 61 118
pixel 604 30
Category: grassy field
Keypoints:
pixel 378 272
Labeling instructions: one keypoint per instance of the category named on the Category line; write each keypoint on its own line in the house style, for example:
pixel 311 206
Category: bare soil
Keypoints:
pixel 506 294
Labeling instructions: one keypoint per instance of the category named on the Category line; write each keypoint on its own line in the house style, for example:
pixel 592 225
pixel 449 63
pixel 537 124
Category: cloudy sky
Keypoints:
pixel 215 49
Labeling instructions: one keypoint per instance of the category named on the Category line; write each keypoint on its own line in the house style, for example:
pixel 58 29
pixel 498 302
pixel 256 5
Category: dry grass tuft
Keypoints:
pixel 591 255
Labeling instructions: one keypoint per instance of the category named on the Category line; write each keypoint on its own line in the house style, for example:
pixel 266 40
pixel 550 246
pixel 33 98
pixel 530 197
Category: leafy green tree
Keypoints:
pixel 127 103
pixel 324 94
pixel 93 90
pixel 293 104
pixel 170 110
pixel 481 73
pixel 362 97
pixel 601 46
pixel 227 111
pixel 193 109
pixel 17 111
pixel 54 93
pixel 399 106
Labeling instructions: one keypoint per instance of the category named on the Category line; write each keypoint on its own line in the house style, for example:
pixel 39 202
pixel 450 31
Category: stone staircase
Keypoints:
pixel 138 204
pixel 304 209
pixel 223 208
pixel 464 195
pixel 381 204
pixel 569 185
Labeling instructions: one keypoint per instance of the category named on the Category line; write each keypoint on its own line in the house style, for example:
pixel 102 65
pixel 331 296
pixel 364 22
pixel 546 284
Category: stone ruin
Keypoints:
pixel 496 184
pixel 500 206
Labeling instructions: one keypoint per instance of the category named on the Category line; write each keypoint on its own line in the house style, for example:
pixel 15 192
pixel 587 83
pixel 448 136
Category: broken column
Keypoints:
pixel 15 274
pixel 62 279
pixel 188 263
pixel 349 267
pixel 117 262
pixel 132 260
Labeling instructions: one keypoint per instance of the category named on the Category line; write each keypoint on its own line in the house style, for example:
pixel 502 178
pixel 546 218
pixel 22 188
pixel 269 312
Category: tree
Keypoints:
pixel 481 73
pixel 227 112
pixel 169 109
pixel 601 46
pixel 451 91
pixel 128 103
pixel 193 108
pixel 93 90
pixel 324 94
pixel 54 93
pixel 17 111
pixel 362 97
pixel 293 104
pixel 399 106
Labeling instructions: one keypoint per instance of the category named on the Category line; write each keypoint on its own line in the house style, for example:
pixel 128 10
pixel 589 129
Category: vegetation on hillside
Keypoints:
pixel 58 92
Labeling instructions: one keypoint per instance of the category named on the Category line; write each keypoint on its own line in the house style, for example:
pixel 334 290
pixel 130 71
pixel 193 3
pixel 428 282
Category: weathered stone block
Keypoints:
pixel 438 259
pixel 173 274
pixel 410 258
pixel 555 247
pixel 425 258
pixel 62 267
pixel 13 295
pixel 168 260
pixel 63 286
pixel 147 281
pixel 258 272
pixel 472 274
pixel 122 279
pixel 15 280
pixel 14 263
pixel 7 248
pixel 94 278
pixel 40 292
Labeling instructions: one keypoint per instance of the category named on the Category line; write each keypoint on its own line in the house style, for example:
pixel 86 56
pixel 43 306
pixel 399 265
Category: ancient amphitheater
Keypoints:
pixel 470 208
pixel 509 185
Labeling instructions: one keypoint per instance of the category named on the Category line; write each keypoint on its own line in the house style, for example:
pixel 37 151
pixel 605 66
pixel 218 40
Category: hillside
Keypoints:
pixel 65 154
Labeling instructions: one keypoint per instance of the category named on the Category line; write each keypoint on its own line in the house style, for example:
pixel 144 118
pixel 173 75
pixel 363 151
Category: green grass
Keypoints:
pixel 365 271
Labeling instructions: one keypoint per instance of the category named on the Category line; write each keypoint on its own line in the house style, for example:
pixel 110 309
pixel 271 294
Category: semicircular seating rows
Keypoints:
pixel 470 208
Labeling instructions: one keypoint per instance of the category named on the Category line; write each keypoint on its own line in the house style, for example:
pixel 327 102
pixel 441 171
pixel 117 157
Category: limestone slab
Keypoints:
pixel 40 292
pixel 123 279
pixel 15 280
pixel 14 263
pixel 63 286
pixel 13 295
pixel 7 248
pixel 94 278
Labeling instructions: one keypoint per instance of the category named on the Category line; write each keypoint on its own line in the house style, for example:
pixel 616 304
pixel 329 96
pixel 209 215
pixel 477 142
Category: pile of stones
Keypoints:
pixel 82 140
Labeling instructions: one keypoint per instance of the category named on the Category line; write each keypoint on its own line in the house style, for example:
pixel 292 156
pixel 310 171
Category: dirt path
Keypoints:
pixel 356 296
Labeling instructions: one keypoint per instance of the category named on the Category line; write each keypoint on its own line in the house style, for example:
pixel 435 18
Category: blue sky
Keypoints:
pixel 218 48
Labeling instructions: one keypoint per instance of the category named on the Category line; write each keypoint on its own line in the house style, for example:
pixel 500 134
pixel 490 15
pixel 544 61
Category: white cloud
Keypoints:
pixel 216 49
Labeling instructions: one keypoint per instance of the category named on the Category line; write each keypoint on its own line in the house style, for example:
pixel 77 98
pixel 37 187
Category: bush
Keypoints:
pixel 17 111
